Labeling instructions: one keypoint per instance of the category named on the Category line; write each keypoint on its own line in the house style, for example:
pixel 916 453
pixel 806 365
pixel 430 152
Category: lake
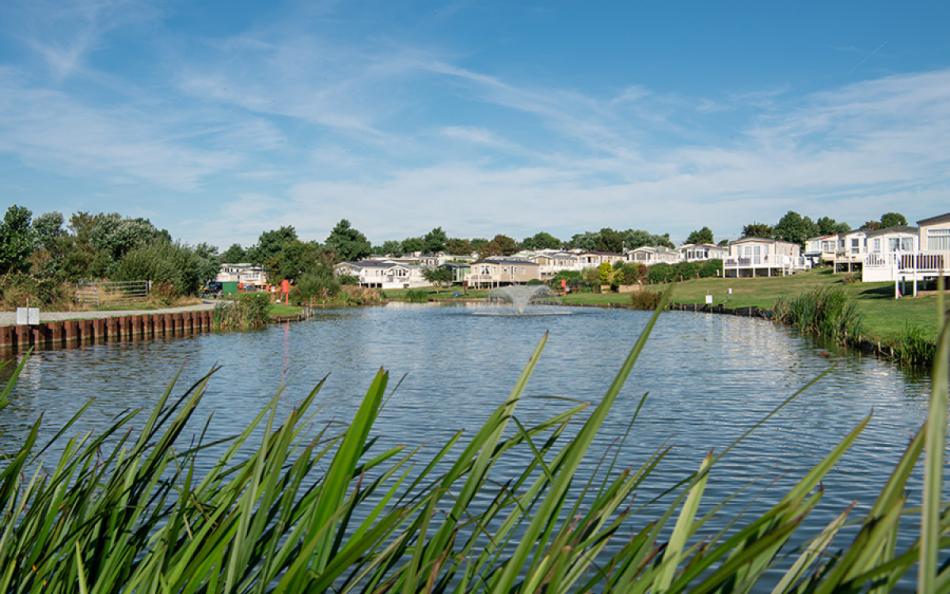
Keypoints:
pixel 709 377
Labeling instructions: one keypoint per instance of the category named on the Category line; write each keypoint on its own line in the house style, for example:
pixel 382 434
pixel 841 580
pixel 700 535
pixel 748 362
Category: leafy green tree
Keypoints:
pixel 478 244
pixel 411 245
pixel 633 273
pixel 347 242
pixel 17 239
pixel 829 226
pixel 295 259
pixel 500 245
pixel 634 238
pixel 605 273
pixel 760 230
pixel 209 262
pixel 871 226
pixel 234 254
pixel 114 235
pixel 390 247
pixel 794 228
pixel 164 262
pixel 458 247
pixel 541 241
pixel 434 241
pixel 318 284
pixel 704 235
pixel 893 219
pixel 48 230
pixel 270 243
pixel 440 276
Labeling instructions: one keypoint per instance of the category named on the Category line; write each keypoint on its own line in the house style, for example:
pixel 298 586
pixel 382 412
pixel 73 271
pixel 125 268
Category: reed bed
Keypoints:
pixel 333 512
pixel 826 313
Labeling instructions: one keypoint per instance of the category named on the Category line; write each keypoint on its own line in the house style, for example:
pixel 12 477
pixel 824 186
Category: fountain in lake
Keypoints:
pixel 519 296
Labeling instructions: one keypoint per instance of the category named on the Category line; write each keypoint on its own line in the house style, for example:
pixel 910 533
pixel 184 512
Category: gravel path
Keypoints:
pixel 8 318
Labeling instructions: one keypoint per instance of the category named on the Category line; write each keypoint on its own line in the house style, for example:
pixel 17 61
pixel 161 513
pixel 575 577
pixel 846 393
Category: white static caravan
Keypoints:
pixel 930 259
pixel 852 248
pixel 755 256
pixel 821 249
pixel 649 255
pixel 702 252
pixel 884 250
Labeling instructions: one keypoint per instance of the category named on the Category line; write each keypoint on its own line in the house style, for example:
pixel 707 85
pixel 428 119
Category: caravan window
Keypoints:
pixel 938 240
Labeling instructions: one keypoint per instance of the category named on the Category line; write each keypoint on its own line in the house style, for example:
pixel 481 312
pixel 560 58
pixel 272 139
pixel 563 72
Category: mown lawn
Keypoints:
pixel 279 310
pixel 884 317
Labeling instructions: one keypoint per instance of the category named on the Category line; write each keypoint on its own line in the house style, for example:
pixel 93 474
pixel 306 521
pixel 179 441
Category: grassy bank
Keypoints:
pixel 283 310
pixel 130 510
pixel 885 318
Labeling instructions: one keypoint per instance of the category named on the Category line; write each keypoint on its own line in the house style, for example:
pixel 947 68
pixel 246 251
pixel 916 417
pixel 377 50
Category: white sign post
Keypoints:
pixel 709 299
pixel 27 316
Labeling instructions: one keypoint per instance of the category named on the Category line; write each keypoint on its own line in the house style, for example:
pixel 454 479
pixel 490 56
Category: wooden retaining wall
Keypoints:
pixel 68 333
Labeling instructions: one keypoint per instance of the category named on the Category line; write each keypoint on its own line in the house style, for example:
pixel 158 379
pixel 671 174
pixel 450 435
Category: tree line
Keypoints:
pixel 795 228
pixel 38 254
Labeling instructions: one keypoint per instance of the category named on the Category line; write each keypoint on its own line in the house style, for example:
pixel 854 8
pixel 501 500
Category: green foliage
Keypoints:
pixel 270 244
pixel 660 273
pixel 829 226
pixel 434 241
pixel 893 219
pixel 633 273
pixel 417 296
pixel 914 348
pixel 757 230
pixel 500 245
pixel 389 248
pixel 826 313
pixel 48 230
pixel 794 228
pixel 114 236
pixel 137 508
pixel 16 240
pixel 610 240
pixel 18 289
pixel 165 262
pixel 575 280
pixel 541 241
pixel 440 276
pixel 235 255
pixel 605 273
pixel 458 247
pixel 704 235
pixel 871 226
pixel 247 312
pixel 667 273
pixel 645 299
pixel 412 245
pixel 317 284
pixel 296 259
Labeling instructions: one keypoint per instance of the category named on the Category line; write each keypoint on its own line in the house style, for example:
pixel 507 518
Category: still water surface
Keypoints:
pixel 709 378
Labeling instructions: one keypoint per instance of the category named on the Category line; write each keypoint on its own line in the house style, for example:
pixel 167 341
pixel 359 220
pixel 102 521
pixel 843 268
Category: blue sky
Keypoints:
pixel 218 120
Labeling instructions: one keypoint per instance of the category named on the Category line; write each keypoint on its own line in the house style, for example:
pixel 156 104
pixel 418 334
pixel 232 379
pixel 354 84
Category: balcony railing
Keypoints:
pixel 766 261
pixel 923 262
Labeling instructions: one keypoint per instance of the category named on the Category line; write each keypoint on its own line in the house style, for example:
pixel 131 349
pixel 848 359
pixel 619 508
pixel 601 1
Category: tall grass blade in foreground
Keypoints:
pixel 285 507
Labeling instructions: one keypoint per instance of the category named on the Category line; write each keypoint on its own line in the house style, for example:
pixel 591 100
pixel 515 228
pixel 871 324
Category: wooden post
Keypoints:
pixel 7 337
pixel 169 325
pixel 99 329
pixel 40 335
pixel 112 329
pixel 56 334
pixel 85 331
